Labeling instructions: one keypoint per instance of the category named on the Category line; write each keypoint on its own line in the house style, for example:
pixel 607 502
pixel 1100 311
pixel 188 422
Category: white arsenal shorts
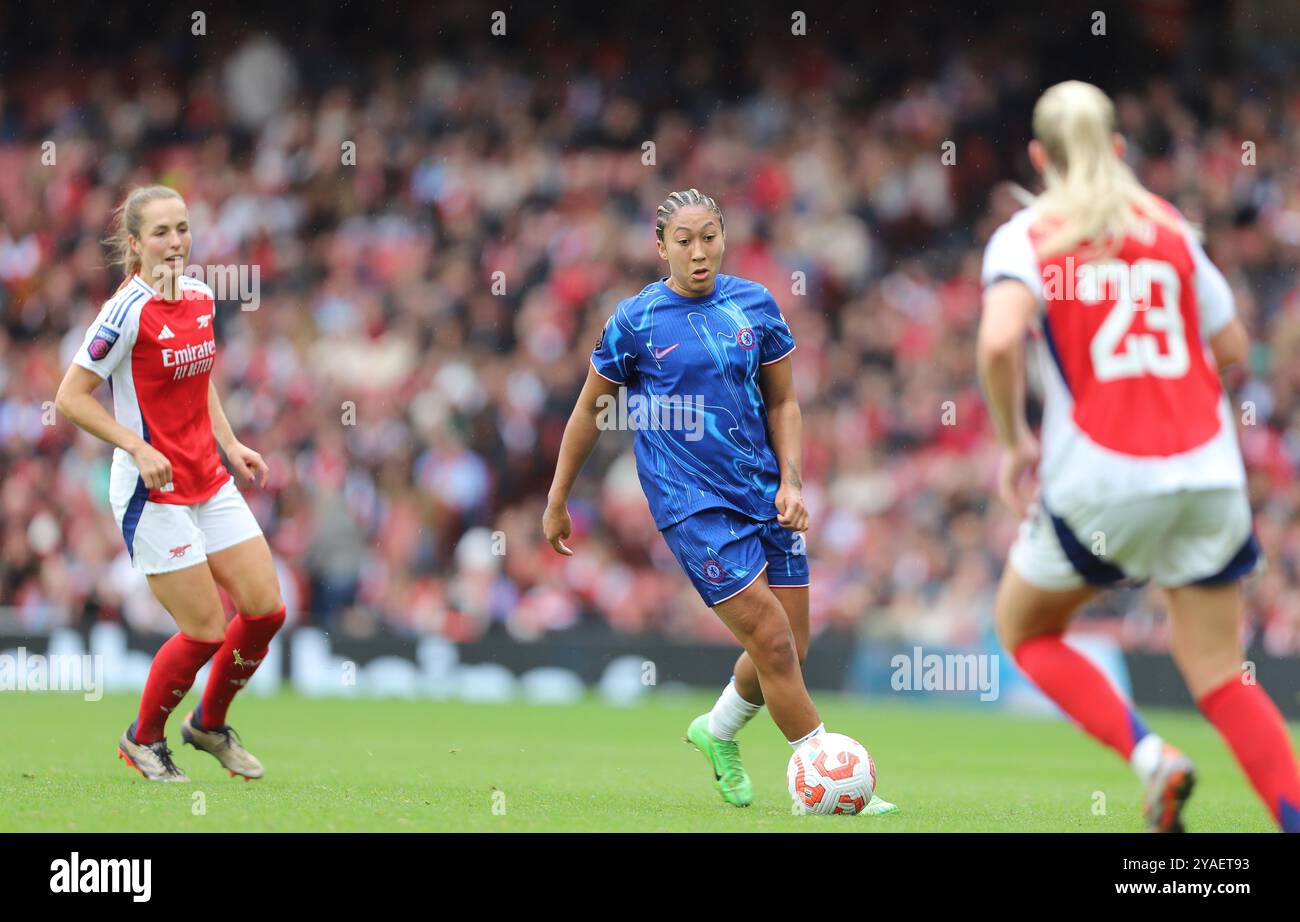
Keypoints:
pixel 162 537
pixel 1190 537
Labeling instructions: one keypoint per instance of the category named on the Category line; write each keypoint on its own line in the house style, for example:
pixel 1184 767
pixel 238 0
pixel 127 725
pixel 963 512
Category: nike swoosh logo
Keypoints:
pixel 661 353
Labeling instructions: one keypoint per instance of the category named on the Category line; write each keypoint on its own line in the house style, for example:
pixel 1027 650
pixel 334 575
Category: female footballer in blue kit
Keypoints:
pixel 710 352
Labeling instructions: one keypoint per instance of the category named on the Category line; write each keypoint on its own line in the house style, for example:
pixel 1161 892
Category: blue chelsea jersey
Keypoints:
pixel 691 370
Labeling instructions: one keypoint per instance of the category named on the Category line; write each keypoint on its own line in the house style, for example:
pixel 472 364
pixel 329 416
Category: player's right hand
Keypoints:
pixel 1016 483
pixel 155 469
pixel 557 525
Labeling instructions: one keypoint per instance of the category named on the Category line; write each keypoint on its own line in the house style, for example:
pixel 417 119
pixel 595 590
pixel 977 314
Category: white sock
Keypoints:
pixel 1146 756
pixel 730 713
pixel 794 744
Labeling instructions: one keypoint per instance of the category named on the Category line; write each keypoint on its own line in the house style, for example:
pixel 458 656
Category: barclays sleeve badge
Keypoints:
pixel 104 339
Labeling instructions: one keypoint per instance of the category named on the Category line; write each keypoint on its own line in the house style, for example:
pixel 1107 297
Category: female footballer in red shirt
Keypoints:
pixel 1140 473
pixel 185 524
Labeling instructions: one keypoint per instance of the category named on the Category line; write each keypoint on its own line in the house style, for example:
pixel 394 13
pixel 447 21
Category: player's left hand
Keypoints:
pixel 791 513
pixel 247 462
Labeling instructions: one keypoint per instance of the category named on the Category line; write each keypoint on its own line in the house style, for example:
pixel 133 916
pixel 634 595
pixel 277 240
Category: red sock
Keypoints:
pixel 1082 691
pixel 174 667
pixel 247 640
pixel 1252 726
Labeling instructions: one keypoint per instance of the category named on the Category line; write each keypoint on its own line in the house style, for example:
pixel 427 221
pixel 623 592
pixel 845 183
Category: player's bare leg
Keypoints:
pixel 1031 622
pixel 246 571
pixel 1205 635
pixel 190 596
pixel 1205 640
pixel 794 602
pixel 714 733
pixel 1023 611
pixel 759 621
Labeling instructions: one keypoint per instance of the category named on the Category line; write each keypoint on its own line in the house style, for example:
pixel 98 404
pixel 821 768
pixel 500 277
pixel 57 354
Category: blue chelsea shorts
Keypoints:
pixel 723 551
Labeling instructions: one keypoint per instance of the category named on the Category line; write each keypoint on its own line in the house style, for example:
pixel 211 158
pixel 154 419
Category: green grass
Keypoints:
pixel 357 765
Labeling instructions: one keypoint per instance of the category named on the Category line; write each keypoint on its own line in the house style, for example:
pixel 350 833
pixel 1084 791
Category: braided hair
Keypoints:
pixel 679 200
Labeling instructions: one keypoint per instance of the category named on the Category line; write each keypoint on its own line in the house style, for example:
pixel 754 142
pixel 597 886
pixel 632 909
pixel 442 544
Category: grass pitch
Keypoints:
pixel 368 765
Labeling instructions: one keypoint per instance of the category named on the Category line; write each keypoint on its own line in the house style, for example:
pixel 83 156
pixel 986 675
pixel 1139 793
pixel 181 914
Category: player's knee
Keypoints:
pixel 257 598
pixel 1206 668
pixel 1017 623
pixel 261 604
pixel 1010 630
pixel 1013 632
pixel 1014 615
pixel 774 650
pixel 209 627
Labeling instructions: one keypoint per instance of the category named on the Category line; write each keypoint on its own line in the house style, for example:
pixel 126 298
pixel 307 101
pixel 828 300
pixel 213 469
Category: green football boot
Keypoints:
pixel 879 807
pixel 724 758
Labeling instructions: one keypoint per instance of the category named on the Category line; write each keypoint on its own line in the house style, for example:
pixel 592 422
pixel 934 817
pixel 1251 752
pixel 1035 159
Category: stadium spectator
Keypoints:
pixel 425 314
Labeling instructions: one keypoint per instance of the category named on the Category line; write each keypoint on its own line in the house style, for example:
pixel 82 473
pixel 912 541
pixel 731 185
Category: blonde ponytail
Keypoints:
pixel 1091 196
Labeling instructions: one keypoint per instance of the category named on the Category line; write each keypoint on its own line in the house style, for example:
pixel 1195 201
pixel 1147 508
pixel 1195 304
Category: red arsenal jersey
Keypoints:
pixel 1132 399
pixel 157 356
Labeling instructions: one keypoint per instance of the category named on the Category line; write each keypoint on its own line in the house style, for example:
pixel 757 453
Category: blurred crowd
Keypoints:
pixel 428 304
